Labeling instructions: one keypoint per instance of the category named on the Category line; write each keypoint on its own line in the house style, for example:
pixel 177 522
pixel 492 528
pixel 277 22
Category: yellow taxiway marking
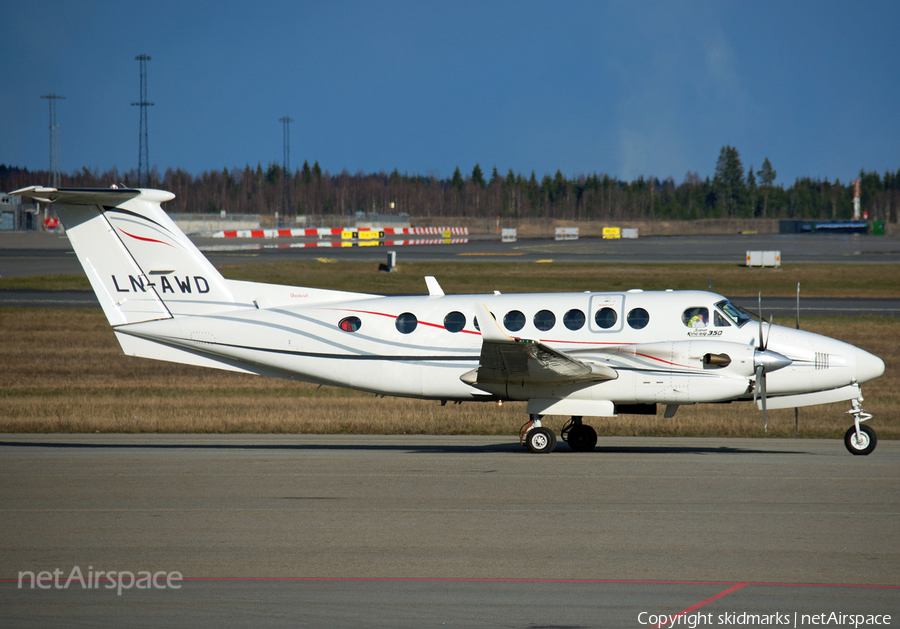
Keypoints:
pixel 542 261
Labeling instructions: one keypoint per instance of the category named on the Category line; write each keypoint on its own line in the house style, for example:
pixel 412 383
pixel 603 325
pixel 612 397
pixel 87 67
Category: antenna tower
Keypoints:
pixel 143 152
pixel 286 196
pixel 54 139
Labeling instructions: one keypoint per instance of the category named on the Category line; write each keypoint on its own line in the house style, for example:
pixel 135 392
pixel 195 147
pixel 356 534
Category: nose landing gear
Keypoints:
pixel 859 439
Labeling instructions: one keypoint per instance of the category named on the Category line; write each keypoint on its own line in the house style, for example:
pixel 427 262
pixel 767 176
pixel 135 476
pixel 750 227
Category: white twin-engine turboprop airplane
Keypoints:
pixel 573 354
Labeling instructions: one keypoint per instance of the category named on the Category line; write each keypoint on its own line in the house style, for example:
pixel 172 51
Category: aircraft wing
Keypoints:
pixel 505 360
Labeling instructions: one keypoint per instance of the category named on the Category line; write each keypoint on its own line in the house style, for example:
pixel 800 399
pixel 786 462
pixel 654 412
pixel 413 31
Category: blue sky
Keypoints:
pixel 624 88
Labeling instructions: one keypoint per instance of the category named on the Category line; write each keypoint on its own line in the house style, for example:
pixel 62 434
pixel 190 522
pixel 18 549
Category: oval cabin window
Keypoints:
pixel 544 320
pixel 606 318
pixel 455 322
pixel 350 324
pixel 514 321
pixel 406 323
pixel 574 319
pixel 638 318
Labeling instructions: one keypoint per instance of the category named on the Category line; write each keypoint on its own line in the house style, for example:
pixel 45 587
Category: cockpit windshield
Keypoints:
pixel 734 313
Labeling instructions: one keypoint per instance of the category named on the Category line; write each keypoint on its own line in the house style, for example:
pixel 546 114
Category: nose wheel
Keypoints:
pixel 859 439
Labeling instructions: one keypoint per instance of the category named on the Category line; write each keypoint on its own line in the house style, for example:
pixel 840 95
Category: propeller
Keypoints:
pixel 765 360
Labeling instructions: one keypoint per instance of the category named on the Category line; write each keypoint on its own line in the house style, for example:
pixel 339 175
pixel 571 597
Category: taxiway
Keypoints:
pixel 413 531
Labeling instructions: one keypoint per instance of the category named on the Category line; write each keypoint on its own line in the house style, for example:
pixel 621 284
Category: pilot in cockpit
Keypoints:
pixel 696 317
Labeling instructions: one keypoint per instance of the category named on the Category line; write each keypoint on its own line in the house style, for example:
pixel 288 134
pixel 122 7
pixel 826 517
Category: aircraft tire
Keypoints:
pixel 863 447
pixel 582 438
pixel 540 440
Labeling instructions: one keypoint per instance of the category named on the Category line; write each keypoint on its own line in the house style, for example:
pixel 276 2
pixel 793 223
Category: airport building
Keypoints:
pixel 18 216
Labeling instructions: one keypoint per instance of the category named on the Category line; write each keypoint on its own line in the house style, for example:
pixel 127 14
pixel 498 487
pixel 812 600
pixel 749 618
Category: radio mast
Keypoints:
pixel 143 152
pixel 286 166
pixel 54 139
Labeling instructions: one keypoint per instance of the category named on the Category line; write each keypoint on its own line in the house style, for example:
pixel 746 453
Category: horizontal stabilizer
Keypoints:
pixel 79 196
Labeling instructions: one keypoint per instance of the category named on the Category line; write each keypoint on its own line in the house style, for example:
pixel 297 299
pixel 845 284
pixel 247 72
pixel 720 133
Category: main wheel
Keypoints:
pixel 862 445
pixel 540 440
pixel 582 438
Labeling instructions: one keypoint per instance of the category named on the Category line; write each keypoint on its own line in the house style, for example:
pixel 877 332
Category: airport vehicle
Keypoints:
pixel 570 354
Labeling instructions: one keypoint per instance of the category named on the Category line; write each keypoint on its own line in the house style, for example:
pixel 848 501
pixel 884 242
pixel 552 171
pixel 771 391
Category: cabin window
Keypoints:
pixel 574 319
pixel 350 324
pixel 695 317
pixel 455 321
pixel 721 322
pixel 514 321
pixel 406 323
pixel 544 320
pixel 638 318
pixel 606 318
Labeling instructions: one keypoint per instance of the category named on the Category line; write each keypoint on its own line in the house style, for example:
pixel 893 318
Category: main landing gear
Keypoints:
pixel 540 439
pixel 859 439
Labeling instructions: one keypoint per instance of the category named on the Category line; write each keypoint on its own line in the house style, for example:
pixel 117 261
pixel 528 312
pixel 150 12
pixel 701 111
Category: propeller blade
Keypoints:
pixel 798 305
pixel 759 372
pixel 761 387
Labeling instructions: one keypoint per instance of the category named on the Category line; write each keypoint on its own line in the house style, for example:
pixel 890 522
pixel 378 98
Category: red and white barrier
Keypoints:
pixel 344 233
pixel 341 243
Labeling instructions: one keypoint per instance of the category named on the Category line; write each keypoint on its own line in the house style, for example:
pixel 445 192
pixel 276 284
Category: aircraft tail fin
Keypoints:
pixel 140 264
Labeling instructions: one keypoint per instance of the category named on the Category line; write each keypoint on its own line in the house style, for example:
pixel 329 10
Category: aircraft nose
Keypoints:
pixel 868 366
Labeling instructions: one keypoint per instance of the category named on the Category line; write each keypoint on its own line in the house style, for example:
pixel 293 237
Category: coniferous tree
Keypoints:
pixel 729 180
pixel 751 190
pixel 478 177
pixel 767 176
pixel 458 182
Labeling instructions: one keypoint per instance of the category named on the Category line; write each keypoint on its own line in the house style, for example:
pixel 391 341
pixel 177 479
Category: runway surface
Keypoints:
pixel 418 531
pixel 32 254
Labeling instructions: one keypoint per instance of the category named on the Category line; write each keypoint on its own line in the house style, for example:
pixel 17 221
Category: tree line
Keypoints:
pixel 733 192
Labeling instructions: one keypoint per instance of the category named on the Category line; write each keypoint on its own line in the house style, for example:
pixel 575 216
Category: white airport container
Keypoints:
pixel 566 233
pixel 764 258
